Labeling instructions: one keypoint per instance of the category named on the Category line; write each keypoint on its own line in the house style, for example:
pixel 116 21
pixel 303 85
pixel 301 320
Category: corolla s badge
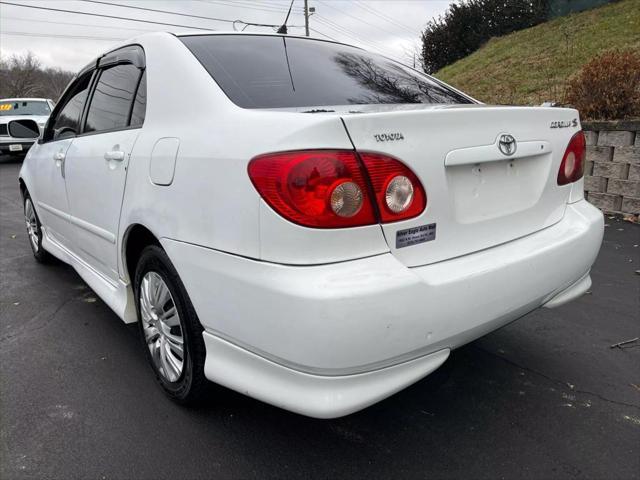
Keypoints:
pixel 507 144
pixel 564 123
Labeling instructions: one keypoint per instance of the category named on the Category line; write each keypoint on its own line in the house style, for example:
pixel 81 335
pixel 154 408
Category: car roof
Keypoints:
pixel 143 38
pixel 256 34
pixel 191 33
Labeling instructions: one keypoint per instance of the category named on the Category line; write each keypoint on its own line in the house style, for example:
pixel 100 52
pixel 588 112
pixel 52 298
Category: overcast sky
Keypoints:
pixel 68 40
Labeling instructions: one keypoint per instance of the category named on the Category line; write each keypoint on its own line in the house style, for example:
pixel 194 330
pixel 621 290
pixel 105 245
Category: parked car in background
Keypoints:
pixel 303 221
pixel 36 109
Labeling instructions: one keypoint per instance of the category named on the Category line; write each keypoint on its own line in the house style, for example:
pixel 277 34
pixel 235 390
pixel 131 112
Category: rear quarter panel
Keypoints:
pixel 211 201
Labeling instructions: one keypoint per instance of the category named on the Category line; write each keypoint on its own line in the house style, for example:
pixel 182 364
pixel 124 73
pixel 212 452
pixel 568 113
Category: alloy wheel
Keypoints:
pixel 161 326
pixel 32 224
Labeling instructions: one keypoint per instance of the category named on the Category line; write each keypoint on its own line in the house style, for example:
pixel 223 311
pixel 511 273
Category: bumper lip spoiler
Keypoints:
pixel 573 291
pixel 308 394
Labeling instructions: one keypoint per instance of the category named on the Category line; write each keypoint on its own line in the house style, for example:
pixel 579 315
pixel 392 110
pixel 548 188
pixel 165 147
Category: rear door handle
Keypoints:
pixel 114 155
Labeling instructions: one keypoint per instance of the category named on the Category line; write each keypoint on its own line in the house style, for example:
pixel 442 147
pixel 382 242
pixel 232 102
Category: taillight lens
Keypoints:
pixel 322 188
pixel 334 188
pixel 572 165
pixel 399 193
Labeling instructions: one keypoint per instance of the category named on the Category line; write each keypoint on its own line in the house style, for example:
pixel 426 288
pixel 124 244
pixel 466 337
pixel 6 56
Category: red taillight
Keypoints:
pixel 392 181
pixel 309 187
pixel 331 189
pixel 572 166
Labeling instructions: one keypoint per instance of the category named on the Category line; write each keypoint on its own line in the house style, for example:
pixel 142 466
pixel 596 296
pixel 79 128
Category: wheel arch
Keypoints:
pixel 135 239
pixel 23 187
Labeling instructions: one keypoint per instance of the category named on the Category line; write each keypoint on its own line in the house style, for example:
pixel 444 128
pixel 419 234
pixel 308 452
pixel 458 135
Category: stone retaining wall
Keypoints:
pixel 612 171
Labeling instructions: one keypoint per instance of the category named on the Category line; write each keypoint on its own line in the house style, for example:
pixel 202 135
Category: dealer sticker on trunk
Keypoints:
pixel 415 235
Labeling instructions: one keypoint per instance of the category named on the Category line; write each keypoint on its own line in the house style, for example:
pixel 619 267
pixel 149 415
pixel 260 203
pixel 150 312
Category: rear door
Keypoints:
pixel 96 162
pixel 479 193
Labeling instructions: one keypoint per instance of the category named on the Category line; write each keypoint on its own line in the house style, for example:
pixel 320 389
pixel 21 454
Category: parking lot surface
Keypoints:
pixel 545 397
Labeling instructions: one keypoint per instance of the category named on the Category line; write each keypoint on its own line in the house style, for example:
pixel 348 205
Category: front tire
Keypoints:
pixel 34 231
pixel 169 327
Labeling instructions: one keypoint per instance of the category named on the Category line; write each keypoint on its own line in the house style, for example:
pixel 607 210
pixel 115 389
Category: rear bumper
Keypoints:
pixel 328 340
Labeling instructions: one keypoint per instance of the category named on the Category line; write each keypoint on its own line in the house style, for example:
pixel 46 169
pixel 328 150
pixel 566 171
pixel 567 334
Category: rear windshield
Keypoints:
pixel 24 107
pixel 281 72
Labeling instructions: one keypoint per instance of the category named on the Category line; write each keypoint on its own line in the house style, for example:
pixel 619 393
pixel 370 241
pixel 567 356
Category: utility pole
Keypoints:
pixel 306 17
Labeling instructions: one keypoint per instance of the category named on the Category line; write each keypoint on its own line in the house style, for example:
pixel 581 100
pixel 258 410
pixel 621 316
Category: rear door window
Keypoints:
pixel 112 98
pixel 277 72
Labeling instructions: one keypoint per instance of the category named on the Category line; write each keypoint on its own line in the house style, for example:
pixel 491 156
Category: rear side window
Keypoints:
pixel 278 72
pixel 112 98
pixel 67 122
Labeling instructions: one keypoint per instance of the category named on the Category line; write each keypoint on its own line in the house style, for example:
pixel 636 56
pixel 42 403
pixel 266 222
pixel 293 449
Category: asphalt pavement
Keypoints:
pixel 545 397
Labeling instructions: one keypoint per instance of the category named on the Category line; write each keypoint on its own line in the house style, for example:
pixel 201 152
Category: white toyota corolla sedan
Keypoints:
pixel 303 221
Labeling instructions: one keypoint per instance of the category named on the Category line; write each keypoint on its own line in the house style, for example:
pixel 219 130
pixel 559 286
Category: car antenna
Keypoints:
pixel 283 28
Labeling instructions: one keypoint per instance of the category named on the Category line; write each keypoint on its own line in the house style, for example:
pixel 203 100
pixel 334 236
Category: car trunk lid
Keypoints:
pixel 478 195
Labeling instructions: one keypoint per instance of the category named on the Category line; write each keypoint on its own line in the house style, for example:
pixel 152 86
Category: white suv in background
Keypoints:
pixel 303 221
pixel 36 109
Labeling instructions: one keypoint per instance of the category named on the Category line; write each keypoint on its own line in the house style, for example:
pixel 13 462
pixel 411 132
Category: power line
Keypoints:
pixel 155 10
pixel 323 34
pixel 201 17
pixel 326 22
pixel 251 6
pixel 377 27
pixel 344 31
pixel 114 17
pixel 364 43
pixel 80 37
pixel 74 24
pixel 52 35
pixel 383 16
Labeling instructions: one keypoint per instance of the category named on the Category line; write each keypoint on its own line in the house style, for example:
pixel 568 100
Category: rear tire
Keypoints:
pixel 34 231
pixel 169 327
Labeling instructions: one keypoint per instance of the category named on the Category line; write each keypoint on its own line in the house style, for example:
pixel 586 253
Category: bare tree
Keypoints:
pixel 24 76
pixel 55 80
pixel 21 77
pixel 413 55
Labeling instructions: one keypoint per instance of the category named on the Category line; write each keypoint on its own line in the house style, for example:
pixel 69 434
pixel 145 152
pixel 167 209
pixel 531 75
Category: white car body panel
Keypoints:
pixel 47 168
pixel 319 321
pixel 117 295
pixel 318 396
pixel 375 312
pixel 96 171
pixel 477 197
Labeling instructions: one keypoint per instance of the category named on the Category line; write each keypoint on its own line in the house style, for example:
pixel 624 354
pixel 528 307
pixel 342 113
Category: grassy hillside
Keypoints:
pixel 532 65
